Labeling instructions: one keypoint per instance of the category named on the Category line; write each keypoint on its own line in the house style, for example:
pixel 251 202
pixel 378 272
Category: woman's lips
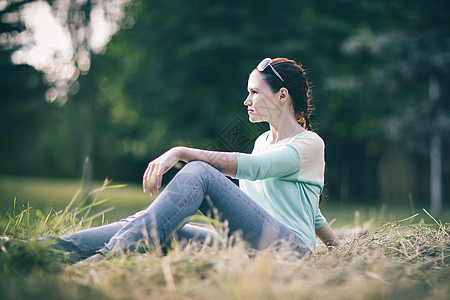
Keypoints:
pixel 250 111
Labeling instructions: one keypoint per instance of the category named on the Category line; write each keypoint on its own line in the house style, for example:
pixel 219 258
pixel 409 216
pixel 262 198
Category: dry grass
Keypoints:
pixel 398 260
pixel 392 262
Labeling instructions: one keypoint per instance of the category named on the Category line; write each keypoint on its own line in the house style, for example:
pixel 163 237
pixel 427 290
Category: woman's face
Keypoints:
pixel 262 104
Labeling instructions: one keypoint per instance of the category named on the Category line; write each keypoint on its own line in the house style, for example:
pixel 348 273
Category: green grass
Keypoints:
pixel 380 258
pixel 47 193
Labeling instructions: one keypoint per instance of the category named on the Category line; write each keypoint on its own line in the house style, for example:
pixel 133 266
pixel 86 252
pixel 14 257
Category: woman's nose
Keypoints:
pixel 248 101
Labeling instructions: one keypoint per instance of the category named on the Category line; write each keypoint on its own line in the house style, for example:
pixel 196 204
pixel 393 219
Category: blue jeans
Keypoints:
pixel 171 210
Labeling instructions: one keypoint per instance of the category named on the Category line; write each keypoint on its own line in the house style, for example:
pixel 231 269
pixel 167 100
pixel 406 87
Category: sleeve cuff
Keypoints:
pixel 243 165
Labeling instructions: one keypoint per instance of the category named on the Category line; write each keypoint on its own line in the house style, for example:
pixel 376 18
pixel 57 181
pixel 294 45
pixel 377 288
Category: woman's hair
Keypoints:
pixel 297 84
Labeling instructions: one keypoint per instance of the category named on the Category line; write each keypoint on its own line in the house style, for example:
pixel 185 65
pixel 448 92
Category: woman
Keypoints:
pixel 280 182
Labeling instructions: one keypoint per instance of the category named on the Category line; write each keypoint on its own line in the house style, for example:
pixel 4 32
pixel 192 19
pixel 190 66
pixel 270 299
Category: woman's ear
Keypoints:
pixel 284 94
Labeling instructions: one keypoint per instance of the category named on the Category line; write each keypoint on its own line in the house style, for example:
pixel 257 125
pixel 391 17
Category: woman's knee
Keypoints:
pixel 198 166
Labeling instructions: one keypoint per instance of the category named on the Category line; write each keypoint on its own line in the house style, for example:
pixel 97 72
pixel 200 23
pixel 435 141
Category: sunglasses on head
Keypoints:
pixel 264 64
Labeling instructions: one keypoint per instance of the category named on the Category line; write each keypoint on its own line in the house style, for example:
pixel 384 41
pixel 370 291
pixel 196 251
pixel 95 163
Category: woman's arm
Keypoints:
pixel 225 162
pixel 327 235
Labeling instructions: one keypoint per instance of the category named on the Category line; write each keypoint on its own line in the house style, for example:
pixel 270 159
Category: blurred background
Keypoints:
pixel 96 89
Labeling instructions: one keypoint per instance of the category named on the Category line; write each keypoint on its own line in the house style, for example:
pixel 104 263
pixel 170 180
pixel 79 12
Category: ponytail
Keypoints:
pixel 304 120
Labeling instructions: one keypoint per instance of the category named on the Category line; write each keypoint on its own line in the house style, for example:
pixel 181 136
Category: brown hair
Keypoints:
pixel 297 84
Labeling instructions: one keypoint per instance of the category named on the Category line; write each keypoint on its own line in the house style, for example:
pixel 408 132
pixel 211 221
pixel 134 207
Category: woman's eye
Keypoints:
pixel 254 92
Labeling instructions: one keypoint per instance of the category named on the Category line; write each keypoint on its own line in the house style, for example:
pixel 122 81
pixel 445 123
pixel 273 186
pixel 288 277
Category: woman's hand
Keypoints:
pixel 152 178
pixel 225 162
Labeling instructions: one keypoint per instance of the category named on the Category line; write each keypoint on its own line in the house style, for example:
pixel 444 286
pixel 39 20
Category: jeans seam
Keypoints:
pixel 78 249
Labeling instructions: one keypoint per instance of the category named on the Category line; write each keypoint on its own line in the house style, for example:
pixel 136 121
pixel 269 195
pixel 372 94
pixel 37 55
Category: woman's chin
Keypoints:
pixel 254 120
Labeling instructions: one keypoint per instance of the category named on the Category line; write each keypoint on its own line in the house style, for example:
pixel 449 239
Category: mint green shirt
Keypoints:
pixel 286 179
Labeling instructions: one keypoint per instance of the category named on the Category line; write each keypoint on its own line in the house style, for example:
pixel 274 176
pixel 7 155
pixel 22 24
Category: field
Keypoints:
pixel 387 253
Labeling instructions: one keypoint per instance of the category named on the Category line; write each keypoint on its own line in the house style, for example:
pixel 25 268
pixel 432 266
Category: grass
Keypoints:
pixel 379 259
pixel 49 193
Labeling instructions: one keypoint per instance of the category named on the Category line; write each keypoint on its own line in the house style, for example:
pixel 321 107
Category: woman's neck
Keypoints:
pixel 285 129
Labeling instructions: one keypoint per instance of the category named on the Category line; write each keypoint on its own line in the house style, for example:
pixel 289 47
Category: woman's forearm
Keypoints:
pixel 225 162
pixel 327 235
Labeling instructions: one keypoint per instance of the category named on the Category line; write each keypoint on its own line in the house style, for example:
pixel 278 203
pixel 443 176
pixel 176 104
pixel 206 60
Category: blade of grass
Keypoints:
pixel 438 223
pixel 411 217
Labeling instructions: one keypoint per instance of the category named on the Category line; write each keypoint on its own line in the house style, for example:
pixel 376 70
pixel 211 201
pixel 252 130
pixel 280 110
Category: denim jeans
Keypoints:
pixel 170 211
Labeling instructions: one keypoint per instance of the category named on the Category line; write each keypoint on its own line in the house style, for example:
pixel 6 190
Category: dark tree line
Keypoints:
pixel 176 74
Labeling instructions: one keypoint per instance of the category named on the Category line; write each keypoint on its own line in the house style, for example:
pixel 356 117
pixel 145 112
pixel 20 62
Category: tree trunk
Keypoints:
pixel 435 156
pixel 435 175
pixel 87 147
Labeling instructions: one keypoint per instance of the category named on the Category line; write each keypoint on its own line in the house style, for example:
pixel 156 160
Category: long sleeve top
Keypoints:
pixel 286 179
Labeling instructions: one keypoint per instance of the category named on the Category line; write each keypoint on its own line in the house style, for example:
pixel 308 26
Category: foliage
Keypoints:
pixel 10 24
pixel 175 74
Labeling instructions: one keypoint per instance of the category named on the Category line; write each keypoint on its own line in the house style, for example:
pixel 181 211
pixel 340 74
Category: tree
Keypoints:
pixel 79 19
pixel 406 61
pixel 176 73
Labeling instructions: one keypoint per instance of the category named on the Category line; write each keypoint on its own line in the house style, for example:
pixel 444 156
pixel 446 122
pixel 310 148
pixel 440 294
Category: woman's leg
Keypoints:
pixel 84 243
pixel 196 233
pixel 181 199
